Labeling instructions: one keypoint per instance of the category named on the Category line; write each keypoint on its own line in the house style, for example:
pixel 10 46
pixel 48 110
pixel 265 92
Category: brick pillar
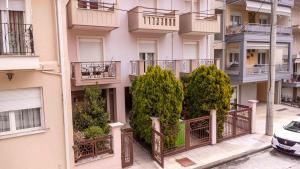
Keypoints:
pixel 213 126
pixel 252 104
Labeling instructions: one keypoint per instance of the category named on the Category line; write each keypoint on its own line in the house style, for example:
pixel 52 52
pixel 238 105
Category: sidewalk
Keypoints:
pixel 209 156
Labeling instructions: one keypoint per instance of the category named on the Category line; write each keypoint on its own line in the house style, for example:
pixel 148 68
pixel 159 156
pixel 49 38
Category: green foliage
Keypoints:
pixel 157 93
pixel 91 113
pixel 93 132
pixel 208 88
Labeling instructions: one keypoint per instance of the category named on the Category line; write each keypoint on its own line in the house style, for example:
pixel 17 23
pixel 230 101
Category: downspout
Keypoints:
pixel 63 80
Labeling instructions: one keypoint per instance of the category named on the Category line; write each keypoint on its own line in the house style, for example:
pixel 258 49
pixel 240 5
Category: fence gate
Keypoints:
pixel 127 147
pixel 198 132
pixel 238 122
pixel 158 147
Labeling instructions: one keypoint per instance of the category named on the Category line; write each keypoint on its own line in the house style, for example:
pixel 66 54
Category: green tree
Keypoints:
pixel 208 88
pixel 157 93
pixel 90 114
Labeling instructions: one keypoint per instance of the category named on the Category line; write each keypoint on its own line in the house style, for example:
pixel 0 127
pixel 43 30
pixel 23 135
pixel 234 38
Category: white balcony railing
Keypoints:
pixel 264 69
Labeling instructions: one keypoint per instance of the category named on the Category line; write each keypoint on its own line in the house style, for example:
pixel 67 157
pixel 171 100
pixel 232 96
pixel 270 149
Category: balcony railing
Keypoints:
pixel 264 69
pixel 140 67
pixel 92 147
pixel 177 66
pixel 257 28
pixel 16 39
pixel 89 14
pixel 86 73
pixel 199 23
pixel 143 19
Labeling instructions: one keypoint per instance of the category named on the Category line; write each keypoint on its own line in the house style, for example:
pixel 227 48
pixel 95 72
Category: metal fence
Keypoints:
pixel 92 147
pixel 237 122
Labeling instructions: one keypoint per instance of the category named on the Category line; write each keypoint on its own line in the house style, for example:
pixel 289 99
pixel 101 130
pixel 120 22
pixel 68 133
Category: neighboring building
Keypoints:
pixel 31 109
pixel 247 47
pixel 291 87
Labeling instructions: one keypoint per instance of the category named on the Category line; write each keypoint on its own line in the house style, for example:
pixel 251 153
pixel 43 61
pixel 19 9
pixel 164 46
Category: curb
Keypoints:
pixel 234 157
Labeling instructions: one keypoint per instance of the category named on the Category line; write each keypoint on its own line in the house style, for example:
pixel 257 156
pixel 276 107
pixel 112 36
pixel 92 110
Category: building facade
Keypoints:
pixel 31 107
pixel 246 52
pixel 50 51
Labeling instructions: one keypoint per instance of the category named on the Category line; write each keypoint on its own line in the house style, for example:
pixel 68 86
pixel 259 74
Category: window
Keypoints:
pixel 261 58
pixel 264 20
pixel 234 96
pixel 90 50
pixel 147 52
pixel 20 110
pixel 236 20
pixel 234 58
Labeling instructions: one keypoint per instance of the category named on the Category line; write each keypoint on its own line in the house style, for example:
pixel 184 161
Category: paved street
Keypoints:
pixel 268 159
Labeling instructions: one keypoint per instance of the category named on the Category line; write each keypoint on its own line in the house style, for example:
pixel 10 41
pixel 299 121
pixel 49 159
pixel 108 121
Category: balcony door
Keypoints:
pixel 190 52
pixel 15 35
pixel 147 52
pixel 90 49
pixel 261 59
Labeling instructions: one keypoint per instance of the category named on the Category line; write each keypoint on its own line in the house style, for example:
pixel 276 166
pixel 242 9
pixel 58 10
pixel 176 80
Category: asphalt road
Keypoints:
pixel 268 159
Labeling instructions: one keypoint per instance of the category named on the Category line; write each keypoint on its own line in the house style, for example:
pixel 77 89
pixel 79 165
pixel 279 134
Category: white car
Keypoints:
pixel 287 139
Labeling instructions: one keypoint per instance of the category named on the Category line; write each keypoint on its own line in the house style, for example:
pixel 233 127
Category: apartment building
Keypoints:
pixel 246 52
pixel 112 42
pixel 290 88
pixel 31 107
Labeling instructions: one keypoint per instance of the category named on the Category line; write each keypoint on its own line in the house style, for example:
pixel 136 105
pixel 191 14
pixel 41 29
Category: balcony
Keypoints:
pixel 83 14
pixel 257 32
pixel 257 72
pixel 293 82
pixel 152 20
pixel 90 73
pixel 195 24
pixel 17 48
pixel 178 67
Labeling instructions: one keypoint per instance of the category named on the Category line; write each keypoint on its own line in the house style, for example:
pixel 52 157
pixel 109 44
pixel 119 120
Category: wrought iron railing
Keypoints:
pixel 96 70
pixel 257 28
pixel 96 5
pixel 16 39
pixel 92 147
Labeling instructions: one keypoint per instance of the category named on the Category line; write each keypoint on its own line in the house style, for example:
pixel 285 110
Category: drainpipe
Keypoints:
pixel 63 80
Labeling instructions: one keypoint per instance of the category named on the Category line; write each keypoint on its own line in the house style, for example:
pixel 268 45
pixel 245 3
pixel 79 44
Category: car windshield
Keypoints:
pixel 293 126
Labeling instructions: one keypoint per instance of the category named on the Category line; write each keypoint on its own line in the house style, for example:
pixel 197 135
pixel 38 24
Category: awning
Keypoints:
pixel 266 8
pixel 253 45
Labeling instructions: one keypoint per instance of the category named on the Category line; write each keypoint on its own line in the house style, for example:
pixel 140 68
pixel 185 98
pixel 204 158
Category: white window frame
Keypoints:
pixel 12 121
pixel 156 55
pixel 261 57
pixel 233 56
pixel 236 15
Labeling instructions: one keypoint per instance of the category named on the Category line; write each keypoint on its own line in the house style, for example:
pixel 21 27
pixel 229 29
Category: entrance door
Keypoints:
pixel 262 91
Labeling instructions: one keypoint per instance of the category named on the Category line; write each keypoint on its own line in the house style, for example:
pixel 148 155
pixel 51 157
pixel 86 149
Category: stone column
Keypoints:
pixel 177 68
pixel 116 145
pixel 213 126
pixel 155 123
pixel 252 104
pixel 120 104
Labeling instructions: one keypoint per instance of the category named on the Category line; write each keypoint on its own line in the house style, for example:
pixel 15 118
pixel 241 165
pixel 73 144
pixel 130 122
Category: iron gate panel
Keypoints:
pixel 127 147
pixel 158 147
pixel 198 132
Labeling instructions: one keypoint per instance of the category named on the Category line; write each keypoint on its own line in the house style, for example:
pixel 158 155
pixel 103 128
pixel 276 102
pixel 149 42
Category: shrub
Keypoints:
pixel 208 88
pixel 91 111
pixel 93 132
pixel 157 93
